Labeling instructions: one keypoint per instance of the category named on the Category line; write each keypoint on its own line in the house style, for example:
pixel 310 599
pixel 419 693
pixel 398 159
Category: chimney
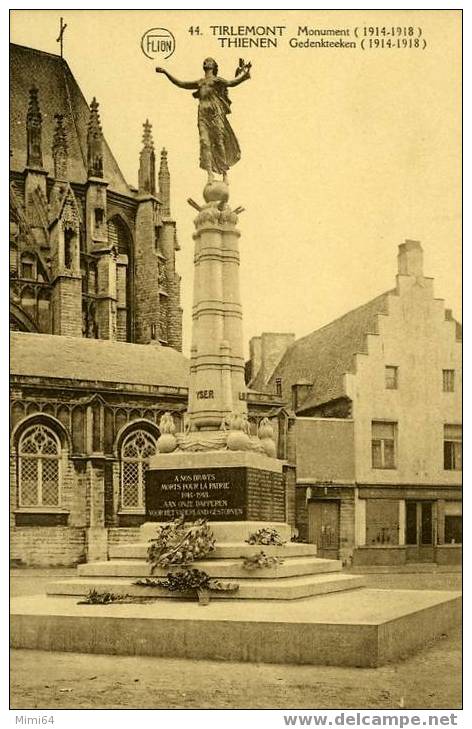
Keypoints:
pixel 273 347
pixel 300 391
pixel 255 356
pixel 410 258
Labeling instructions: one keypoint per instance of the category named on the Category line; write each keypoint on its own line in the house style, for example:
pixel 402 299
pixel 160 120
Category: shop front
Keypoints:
pixel 401 525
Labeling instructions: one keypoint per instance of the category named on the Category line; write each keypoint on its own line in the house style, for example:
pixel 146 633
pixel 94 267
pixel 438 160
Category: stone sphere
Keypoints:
pixel 166 443
pixel 216 191
pixel 238 441
pixel 269 447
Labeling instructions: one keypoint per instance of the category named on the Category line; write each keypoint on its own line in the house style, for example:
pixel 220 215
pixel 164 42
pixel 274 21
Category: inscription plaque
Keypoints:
pixel 217 494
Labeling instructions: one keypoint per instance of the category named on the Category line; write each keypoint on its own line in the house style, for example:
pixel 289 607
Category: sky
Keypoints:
pixel 345 152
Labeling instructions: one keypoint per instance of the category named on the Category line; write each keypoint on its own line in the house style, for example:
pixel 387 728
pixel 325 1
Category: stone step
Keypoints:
pixel 288 588
pixel 225 531
pixel 223 568
pixel 223 550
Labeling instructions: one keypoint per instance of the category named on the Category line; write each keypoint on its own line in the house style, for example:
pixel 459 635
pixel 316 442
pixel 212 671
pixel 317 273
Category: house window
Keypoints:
pixel 39 469
pixel 382 521
pixel 278 386
pixel 453 522
pixel 452 529
pixel 453 447
pixel 448 380
pixel 136 450
pixel 383 444
pixel 391 378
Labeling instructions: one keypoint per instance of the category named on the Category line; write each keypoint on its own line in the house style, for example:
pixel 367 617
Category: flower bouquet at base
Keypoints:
pixel 190 582
pixel 180 543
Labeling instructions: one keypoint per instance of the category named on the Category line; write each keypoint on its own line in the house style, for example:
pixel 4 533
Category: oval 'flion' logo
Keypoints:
pixel 158 43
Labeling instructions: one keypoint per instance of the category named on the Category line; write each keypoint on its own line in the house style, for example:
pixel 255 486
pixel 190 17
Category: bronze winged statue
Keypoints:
pixel 219 148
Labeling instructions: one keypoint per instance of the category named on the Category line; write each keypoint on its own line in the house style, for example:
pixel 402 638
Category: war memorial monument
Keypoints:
pixel 292 607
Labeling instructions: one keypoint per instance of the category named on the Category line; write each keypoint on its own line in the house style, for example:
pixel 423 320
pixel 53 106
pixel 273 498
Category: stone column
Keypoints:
pixel 208 328
pixel 217 363
pixel 233 317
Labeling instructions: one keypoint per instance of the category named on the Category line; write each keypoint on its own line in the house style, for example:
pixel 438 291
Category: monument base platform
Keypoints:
pixel 303 610
pixel 215 485
pixel 363 628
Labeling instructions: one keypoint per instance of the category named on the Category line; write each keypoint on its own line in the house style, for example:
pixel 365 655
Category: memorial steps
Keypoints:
pixel 301 574
pixel 288 588
pixel 223 550
pixel 227 569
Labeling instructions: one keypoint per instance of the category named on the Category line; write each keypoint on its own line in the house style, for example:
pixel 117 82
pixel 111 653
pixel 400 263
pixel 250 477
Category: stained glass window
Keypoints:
pixel 136 451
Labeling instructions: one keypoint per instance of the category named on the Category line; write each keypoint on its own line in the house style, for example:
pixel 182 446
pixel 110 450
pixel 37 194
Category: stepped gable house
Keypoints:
pixel 377 440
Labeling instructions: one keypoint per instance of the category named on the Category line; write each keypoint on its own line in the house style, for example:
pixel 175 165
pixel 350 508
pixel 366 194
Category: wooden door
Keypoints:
pixel 323 527
pixel 420 531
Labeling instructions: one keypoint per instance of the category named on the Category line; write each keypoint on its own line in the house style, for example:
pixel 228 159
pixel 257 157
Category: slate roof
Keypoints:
pixel 325 355
pixel 59 93
pixel 48 355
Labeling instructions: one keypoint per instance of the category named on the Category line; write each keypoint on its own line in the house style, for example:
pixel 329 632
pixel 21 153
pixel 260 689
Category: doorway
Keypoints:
pixel 323 527
pixel 420 530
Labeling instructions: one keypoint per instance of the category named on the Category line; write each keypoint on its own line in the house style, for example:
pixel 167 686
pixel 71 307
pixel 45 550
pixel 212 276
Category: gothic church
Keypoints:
pixel 96 323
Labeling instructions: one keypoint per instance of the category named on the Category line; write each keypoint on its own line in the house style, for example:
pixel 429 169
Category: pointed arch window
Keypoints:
pixel 39 453
pixel 136 450
pixel 69 244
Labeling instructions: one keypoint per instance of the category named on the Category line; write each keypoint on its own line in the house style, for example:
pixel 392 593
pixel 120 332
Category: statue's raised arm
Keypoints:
pixel 219 148
pixel 176 82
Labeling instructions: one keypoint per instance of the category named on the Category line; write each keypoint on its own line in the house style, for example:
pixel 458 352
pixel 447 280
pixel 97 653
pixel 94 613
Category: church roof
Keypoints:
pixel 325 355
pixel 59 93
pixel 96 360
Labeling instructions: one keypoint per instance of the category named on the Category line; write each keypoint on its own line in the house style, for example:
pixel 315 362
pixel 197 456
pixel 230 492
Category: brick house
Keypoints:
pixel 377 426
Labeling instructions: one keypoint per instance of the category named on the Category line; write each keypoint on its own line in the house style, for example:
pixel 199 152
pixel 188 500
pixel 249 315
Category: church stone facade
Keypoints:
pixel 90 256
pixel 92 280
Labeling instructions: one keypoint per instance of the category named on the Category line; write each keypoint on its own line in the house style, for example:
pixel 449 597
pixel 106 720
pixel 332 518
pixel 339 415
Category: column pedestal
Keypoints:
pixel 219 486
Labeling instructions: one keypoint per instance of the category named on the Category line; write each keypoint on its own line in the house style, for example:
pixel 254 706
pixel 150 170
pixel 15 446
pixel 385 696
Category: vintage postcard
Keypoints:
pixel 235 367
